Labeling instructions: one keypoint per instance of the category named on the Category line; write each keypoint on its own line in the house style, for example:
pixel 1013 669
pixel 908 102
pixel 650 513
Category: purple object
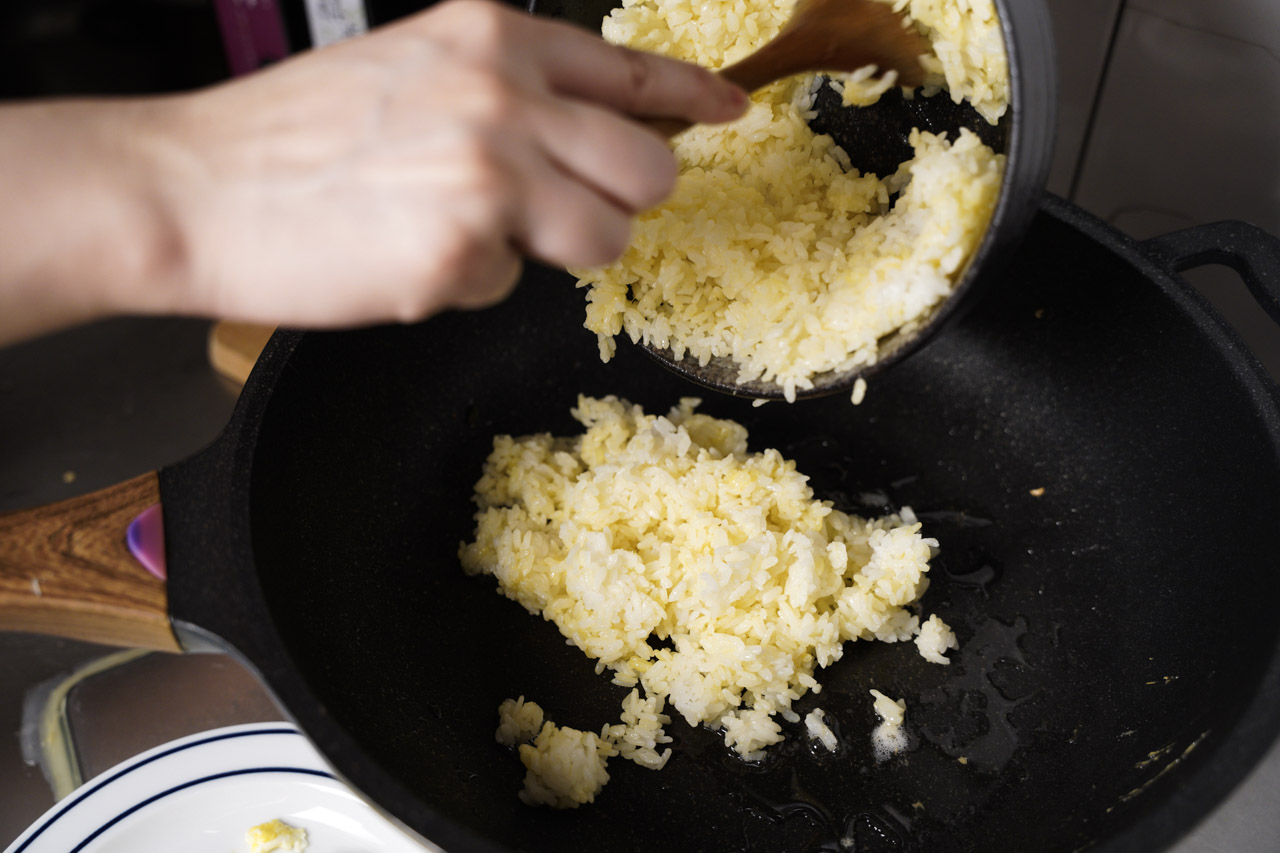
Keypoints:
pixel 146 540
pixel 252 32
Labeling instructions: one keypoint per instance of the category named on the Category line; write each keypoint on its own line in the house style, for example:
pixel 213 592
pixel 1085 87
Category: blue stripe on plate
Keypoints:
pixel 176 788
pixel 86 791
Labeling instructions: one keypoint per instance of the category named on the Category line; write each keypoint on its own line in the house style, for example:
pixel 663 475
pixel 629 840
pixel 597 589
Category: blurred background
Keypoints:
pixel 1169 116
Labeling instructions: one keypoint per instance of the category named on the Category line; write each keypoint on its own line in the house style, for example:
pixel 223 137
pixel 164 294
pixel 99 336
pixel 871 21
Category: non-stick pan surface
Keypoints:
pixel 1117 666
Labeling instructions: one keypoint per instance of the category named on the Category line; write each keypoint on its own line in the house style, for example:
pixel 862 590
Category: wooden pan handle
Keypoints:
pixel 66 570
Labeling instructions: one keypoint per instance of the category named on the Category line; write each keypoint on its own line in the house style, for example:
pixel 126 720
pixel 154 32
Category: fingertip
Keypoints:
pixel 492 284
pixel 736 97
pixel 662 180
pixel 730 102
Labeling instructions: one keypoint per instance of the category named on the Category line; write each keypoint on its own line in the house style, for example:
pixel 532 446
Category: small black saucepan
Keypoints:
pixel 1117 672
pixel 877 140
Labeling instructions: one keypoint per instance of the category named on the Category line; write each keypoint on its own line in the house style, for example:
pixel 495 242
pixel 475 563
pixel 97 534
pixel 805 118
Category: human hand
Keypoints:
pixel 408 171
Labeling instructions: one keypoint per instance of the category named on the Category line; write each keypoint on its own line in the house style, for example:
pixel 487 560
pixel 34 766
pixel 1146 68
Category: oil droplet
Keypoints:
pixel 955 518
pixel 969 715
pixel 870 833
pixel 903 820
pixel 980 578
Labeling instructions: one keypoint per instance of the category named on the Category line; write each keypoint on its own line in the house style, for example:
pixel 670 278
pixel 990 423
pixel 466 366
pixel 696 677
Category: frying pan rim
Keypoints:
pixel 216 485
pixel 1258 725
pixel 213 490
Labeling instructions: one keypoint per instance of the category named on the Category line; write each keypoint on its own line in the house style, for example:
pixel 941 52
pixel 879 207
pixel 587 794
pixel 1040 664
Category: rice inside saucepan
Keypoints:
pixel 773 251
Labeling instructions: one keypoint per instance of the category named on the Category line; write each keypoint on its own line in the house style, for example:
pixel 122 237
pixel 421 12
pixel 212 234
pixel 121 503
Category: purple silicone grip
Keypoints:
pixel 146 540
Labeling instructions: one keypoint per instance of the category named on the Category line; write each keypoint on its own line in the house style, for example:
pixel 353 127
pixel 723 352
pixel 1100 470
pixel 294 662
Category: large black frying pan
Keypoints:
pixel 1117 671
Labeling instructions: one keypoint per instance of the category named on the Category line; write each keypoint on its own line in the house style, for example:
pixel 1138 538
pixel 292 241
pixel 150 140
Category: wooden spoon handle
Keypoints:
pixel 756 70
pixel 66 570
pixel 234 348
pixel 667 127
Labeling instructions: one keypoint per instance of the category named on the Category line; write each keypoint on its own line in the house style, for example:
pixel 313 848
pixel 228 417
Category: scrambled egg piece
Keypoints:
pixel 276 835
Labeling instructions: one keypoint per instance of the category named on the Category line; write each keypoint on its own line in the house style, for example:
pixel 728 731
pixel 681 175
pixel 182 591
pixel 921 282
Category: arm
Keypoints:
pixel 381 179
pixel 83 229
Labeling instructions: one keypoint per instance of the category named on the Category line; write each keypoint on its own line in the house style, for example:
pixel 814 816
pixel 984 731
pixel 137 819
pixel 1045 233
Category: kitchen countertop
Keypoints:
pixel 90 407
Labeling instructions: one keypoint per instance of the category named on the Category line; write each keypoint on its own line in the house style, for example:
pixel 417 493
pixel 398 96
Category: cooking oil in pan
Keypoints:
pixel 962 739
pixel 979 579
pixel 968 716
pixel 863 831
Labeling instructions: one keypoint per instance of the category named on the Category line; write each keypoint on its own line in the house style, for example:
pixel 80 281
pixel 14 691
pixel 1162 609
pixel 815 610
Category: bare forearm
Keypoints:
pixel 385 178
pixel 84 230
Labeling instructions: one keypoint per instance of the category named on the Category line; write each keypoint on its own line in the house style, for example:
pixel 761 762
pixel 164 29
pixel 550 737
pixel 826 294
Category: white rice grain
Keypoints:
pixel 934 639
pixel 819 730
pixel 888 738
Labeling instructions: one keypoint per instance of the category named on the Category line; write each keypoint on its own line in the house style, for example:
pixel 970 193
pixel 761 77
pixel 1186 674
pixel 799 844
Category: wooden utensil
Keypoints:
pixel 828 35
pixel 234 348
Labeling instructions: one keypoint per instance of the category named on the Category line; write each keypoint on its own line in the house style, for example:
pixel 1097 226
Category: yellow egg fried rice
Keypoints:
pixel 704 574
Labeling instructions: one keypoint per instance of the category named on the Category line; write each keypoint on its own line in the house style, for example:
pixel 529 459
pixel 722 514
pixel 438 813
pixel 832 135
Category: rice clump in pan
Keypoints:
pixel 773 251
pixel 705 577
pixel 967 59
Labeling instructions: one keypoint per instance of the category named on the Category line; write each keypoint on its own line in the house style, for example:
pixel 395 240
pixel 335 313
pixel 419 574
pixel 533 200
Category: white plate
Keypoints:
pixel 202 793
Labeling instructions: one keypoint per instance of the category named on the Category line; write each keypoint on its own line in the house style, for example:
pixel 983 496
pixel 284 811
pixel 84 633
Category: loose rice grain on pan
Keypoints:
pixel 888 738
